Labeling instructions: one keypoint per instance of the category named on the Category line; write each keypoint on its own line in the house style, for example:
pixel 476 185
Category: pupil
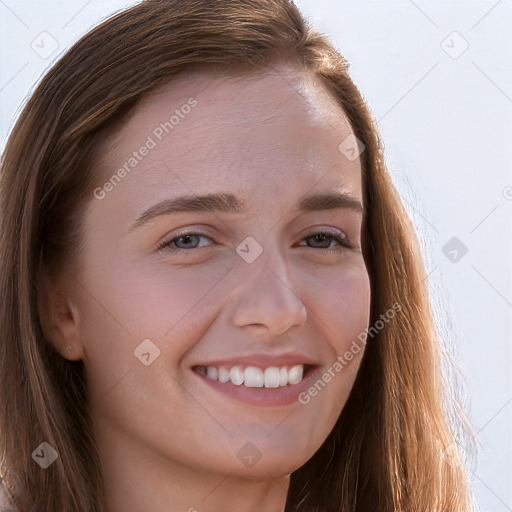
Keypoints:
pixel 186 239
pixel 320 238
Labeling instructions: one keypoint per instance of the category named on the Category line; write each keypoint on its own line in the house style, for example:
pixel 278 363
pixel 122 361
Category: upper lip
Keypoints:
pixel 263 360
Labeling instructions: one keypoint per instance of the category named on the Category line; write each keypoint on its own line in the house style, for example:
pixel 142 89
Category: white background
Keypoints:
pixel 446 122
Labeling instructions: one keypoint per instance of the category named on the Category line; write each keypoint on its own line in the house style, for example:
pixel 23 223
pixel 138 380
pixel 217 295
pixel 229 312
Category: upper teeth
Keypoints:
pixel 254 377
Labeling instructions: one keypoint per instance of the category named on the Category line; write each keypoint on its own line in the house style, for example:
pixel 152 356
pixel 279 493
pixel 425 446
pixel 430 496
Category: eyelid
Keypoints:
pixel 330 231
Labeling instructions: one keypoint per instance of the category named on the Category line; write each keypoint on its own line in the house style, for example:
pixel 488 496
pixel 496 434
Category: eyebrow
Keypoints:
pixel 228 203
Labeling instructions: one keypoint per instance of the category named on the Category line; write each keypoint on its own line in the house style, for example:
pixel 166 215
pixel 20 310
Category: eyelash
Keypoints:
pixel 334 235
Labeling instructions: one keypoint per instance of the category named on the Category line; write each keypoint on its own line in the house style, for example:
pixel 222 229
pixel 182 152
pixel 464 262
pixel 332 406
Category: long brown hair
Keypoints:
pixel 386 452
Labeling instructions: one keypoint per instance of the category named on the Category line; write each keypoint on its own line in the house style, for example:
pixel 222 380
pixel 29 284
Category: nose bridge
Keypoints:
pixel 268 294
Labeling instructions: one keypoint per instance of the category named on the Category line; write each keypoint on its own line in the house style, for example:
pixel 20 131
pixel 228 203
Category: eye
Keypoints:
pixel 320 237
pixel 187 240
pixel 190 239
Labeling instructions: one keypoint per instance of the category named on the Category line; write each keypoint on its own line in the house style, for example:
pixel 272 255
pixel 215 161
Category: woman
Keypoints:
pixel 213 297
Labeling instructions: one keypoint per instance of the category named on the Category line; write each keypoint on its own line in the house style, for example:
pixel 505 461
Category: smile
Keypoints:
pixel 255 377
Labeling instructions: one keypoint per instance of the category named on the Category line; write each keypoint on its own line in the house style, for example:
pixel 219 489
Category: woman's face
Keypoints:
pixel 171 286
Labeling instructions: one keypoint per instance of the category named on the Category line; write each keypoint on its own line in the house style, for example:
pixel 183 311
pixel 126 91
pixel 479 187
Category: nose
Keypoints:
pixel 268 299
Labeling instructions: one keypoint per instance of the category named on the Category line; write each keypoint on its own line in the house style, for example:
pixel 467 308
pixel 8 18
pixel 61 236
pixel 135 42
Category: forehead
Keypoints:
pixel 289 90
pixel 203 132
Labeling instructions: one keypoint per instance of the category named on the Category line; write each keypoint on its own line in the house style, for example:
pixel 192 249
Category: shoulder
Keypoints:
pixel 8 502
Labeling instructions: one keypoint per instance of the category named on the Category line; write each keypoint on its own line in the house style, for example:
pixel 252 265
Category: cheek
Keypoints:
pixel 351 309
pixel 342 305
pixel 350 314
pixel 342 311
pixel 125 305
pixel 149 301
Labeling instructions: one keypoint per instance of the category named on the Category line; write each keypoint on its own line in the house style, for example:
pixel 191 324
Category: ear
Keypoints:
pixel 59 316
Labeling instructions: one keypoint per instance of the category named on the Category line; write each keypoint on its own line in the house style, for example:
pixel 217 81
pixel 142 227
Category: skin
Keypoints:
pixel 167 441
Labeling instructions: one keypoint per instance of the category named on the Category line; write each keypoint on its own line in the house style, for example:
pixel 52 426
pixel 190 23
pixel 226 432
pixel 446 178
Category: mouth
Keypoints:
pixel 272 385
pixel 255 377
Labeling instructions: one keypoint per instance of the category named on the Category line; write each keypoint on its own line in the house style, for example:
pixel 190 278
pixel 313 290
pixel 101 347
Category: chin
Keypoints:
pixel 274 461
pixel 262 471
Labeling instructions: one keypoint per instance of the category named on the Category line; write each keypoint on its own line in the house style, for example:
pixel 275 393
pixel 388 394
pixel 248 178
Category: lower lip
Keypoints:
pixel 285 395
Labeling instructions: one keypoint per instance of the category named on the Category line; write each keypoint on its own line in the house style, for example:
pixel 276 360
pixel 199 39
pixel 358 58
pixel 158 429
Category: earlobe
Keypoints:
pixel 59 318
